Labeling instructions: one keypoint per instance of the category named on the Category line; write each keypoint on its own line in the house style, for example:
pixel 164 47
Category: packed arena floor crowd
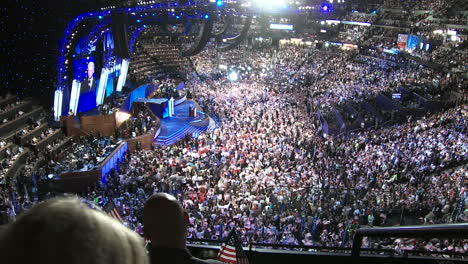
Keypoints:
pixel 269 170
pixel 228 179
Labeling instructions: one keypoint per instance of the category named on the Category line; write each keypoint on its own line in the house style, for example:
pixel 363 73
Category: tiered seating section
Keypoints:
pixel 155 56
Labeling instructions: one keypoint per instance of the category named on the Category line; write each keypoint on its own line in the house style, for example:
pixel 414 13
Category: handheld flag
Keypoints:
pixel 231 251
pixel 113 212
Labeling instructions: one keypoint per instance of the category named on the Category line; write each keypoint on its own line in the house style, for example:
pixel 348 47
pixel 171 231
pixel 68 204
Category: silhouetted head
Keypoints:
pixel 64 230
pixel 165 221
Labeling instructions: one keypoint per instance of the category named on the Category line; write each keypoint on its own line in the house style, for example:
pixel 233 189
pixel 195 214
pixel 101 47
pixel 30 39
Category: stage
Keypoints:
pixel 181 124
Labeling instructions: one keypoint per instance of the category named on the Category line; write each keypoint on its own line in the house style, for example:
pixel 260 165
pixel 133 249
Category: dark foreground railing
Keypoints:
pixel 452 231
pixel 429 231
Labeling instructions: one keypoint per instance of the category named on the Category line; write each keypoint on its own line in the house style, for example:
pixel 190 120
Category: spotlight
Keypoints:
pixel 327 8
pixel 219 3
pixel 207 16
pixel 233 77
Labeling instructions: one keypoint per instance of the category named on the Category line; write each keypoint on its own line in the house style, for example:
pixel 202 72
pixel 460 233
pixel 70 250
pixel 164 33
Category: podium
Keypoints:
pixel 192 111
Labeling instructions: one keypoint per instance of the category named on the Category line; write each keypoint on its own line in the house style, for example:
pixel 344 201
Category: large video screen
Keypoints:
pixel 87 91
pixel 92 64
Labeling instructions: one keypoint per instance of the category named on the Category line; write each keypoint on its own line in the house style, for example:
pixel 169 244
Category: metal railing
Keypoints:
pixel 459 231
pixel 452 231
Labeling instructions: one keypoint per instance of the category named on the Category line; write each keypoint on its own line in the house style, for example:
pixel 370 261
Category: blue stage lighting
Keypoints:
pixel 138 20
pixel 327 8
pixel 100 17
pixel 177 17
pixel 219 3
pixel 207 16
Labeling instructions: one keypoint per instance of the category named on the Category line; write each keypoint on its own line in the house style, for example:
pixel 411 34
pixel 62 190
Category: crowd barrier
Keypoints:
pixel 433 231
pixel 112 162
pixel 283 253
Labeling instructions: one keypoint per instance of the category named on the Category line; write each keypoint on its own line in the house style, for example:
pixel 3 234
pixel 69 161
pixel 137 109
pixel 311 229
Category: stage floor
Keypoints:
pixel 180 124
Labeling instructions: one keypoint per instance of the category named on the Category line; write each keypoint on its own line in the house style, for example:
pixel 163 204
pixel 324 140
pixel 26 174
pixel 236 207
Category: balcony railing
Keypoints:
pixel 459 231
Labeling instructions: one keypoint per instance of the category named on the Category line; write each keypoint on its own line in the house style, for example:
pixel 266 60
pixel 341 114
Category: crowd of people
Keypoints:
pixel 275 179
pixel 9 156
pixel 268 170
pixel 140 123
pixel 85 154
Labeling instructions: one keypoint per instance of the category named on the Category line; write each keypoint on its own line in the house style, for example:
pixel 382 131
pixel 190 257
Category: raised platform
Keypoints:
pixel 181 124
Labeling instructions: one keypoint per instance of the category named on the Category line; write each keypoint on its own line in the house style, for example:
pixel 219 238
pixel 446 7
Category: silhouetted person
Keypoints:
pixel 165 224
pixel 65 230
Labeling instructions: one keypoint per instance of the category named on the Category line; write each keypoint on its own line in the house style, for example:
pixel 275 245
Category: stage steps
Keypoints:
pixel 194 129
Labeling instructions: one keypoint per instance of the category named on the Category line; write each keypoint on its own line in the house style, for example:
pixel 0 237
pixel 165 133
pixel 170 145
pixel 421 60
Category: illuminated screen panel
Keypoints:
pixel 281 26
pixel 89 84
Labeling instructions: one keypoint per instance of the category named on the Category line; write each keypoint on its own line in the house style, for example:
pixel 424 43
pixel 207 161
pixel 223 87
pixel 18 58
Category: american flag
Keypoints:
pixel 113 212
pixel 231 251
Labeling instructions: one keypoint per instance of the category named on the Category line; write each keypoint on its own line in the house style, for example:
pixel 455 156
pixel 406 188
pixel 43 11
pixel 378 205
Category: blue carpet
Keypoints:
pixel 180 124
pixel 179 120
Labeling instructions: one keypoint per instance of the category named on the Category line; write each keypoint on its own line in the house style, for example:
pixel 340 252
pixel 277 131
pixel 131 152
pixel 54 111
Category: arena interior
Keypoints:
pixel 318 130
